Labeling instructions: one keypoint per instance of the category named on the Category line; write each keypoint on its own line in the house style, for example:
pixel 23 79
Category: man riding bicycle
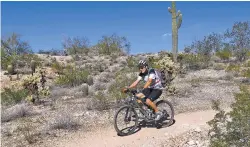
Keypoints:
pixel 151 90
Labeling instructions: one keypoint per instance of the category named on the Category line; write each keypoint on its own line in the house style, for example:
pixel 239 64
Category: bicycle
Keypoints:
pixel 146 113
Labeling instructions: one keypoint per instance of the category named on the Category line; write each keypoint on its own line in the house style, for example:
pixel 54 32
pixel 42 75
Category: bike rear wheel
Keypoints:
pixel 130 115
pixel 168 115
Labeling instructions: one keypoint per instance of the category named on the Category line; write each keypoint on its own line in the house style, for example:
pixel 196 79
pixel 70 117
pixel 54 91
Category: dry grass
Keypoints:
pixel 17 111
pixel 63 120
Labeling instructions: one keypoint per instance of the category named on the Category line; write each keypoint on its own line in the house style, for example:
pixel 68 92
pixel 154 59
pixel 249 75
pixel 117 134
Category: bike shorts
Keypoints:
pixel 152 94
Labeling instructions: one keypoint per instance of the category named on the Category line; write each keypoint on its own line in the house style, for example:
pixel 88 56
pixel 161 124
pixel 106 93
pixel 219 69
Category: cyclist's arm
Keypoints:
pixel 135 82
pixel 150 79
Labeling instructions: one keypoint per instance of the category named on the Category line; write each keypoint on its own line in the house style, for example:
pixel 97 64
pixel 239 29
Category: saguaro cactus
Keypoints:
pixel 176 24
pixel 33 66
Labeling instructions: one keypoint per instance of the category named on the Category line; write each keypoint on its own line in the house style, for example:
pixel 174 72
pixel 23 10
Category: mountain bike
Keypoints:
pixel 135 111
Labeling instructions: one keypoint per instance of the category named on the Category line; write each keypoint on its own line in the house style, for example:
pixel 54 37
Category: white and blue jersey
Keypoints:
pixel 156 83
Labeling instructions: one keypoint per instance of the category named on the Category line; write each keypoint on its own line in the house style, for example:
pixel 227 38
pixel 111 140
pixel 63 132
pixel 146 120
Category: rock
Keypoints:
pixel 198 129
pixel 191 142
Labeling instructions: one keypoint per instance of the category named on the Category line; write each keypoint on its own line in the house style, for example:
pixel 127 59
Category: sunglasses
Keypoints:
pixel 141 67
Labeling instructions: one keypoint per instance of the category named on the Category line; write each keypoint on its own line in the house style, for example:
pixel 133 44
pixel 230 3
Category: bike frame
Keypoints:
pixel 135 105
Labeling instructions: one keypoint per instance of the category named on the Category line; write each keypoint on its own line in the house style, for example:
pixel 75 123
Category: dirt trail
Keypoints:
pixel 145 137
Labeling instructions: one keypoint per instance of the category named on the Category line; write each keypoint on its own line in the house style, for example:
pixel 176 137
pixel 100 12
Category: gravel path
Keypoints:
pixel 145 137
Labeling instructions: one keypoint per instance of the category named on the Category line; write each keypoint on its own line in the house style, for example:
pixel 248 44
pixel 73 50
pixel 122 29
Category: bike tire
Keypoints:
pixel 115 120
pixel 172 112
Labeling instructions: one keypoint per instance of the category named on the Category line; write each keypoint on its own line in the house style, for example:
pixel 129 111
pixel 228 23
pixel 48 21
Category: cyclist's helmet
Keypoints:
pixel 142 63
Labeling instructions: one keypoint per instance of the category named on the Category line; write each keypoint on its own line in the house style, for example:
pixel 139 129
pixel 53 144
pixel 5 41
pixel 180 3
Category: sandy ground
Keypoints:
pixel 145 137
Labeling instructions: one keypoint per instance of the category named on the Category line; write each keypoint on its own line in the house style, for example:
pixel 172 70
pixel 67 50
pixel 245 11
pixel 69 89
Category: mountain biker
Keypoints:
pixel 151 90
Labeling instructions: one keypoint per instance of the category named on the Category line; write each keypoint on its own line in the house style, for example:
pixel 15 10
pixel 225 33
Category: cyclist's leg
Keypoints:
pixel 154 95
pixel 145 92
pixel 140 95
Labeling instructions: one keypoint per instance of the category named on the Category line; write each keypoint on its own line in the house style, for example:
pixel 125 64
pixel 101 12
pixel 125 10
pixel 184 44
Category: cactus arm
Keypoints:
pixel 169 10
pixel 179 21
pixel 178 13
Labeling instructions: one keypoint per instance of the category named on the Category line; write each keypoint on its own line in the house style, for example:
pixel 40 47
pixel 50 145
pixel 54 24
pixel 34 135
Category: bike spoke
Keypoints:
pixel 125 120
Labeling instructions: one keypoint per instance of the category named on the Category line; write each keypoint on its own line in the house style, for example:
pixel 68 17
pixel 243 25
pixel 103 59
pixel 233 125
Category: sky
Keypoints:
pixel 147 25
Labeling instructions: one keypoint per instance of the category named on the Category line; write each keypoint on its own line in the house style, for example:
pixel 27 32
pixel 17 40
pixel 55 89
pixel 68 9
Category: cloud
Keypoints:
pixel 166 34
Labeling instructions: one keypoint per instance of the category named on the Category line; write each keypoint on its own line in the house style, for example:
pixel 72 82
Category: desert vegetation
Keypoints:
pixel 51 93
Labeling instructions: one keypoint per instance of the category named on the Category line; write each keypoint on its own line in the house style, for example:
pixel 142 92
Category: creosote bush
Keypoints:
pixel 13 95
pixel 72 77
pixel 224 54
pixel 232 128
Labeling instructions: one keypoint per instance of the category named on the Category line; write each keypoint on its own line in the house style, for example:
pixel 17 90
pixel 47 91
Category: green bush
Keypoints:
pixel 10 96
pixel 15 60
pixel 72 77
pixel 57 67
pixel 248 54
pixel 247 64
pixel 233 68
pixel 246 73
pixel 232 128
pixel 153 60
pixel 219 66
pixel 131 62
pixel 195 61
pixel 113 44
pixel 121 81
pixel 224 54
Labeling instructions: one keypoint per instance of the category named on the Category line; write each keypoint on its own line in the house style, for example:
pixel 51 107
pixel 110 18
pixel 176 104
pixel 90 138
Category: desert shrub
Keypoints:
pixel 219 66
pixel 72 77
pixel 195 61
pixel 20 61
pixel 205 46
pixel 246 73
pixel 238 37
pixel 152 60
pixel 113 44
pixel 100 102
pixel 215 59
pixel 248 54
pixel 228 76
pixel 99 67
pixel 16 111
pixel 195 82
pixel 247 63
pixel 12 48
pixel 63 121
pixel 122 80
pixel 90 80
pixel 131 62
pixel 77 45
pixel 233 68
pixel 13 96
pixel 224 54
pixel 232 128
pixel 27 130
pixel 57 67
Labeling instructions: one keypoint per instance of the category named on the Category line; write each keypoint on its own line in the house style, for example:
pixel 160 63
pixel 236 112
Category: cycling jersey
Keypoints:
pixel 156 83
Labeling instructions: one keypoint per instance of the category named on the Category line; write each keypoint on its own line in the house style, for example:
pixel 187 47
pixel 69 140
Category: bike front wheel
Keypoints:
pixel 129 115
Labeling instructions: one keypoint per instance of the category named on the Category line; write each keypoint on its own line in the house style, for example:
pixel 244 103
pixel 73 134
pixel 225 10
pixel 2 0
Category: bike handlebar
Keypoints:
pixel 133 91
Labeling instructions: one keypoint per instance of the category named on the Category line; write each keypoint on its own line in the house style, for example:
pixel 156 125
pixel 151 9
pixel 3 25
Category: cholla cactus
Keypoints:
pixel 170 69
pixel 168 65
pixel 35 84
